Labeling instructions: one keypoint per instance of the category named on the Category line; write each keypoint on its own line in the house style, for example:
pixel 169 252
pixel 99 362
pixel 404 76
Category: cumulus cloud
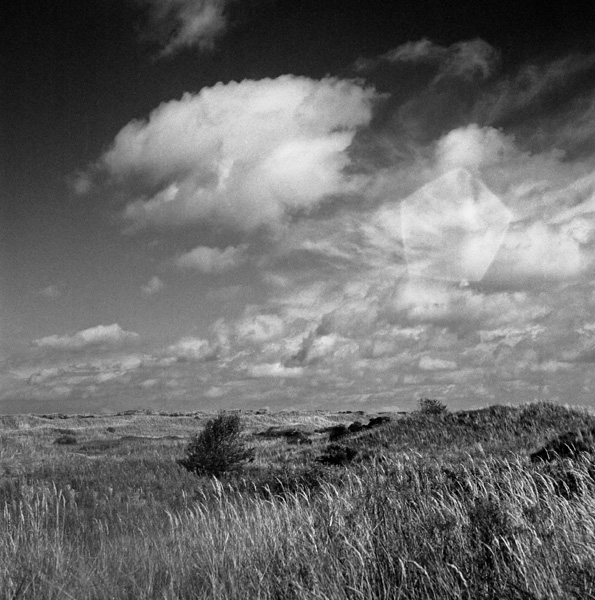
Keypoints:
pixel 152 286
pixel 101 335
pixel 182 24
pixel 242 154
pixel 472 146
pixel 211 260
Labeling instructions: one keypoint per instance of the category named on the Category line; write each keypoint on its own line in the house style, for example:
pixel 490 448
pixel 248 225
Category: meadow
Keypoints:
pixel 429 504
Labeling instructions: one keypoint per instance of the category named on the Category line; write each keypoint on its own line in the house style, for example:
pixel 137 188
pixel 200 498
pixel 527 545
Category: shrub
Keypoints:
pixel 218 448
pixel 66 439
pixel 337 455
pixel 431 406
pixel 337 431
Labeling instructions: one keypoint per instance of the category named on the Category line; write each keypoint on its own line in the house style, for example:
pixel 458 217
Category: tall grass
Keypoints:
pixel 447 508
pixel 401 529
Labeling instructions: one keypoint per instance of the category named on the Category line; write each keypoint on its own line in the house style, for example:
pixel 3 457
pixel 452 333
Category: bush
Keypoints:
pixel 66 439
pixel 218 448
pixel 431 406
pixel 337 455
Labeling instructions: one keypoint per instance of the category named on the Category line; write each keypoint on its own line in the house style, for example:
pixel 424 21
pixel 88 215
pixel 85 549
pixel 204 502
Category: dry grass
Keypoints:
pixel 444 507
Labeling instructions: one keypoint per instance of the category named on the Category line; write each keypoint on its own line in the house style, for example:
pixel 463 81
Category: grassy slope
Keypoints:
pixel 432 507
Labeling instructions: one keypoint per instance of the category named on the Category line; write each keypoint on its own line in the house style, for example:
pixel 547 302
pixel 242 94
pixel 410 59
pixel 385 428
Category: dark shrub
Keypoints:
pixel 377 421
pixel 110 429
pixel 298 437
pixel 567 445
pixel 218 448
pixel 431 406
pixel 67 439
pixel 338 431
pixel 356 426
pixel 337 455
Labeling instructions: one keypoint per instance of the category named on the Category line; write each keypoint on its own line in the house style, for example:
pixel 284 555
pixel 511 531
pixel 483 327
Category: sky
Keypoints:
pixel 214 204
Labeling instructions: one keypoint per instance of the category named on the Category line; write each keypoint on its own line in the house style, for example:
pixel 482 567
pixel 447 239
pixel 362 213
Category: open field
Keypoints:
pixel 431 506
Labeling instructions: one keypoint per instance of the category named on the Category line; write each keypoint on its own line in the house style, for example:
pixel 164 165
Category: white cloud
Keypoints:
pixel 94 336
pixel 273 370
pixel 152 286
pixel 260 327
pixel 211 260
pixel 473 146
pixel 190 348
pixel 537 252
pixel 180 24
pixel 446 305
pixel 242 154
pixel 427 363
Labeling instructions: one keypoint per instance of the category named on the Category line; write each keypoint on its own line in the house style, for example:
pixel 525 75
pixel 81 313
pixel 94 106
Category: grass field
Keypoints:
pixel 431 506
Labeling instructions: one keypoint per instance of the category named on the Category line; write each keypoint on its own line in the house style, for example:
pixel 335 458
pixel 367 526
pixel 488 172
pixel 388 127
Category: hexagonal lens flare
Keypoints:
pixel 452 228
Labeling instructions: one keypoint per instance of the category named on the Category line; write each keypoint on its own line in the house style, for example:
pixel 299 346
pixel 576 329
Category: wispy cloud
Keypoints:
pixel 468 59
pixel 181 24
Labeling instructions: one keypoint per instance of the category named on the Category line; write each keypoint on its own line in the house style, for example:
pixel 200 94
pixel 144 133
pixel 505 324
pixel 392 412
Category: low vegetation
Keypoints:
pixel 431 504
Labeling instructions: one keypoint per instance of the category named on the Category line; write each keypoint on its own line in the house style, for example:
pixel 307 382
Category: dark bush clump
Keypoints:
pixel 218 448
pixel 66 439
pixel 569 445
pixel 337 431
pixel 356 426
pixel 377 421
pixel 337 455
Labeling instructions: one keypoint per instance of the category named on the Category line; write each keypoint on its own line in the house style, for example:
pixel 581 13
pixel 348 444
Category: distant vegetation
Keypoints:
pixel 497 503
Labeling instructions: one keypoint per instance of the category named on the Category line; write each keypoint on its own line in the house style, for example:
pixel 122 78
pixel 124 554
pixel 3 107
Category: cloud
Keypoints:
pixel 152 286
pixel 101 335
pixel 241 154
pixel 512 96
pixel 181 24
pixel 191 349
pixel 472 147
pixel 211 260
pixel 538 253
pixel 468 59
pixel 426 363
pixel 260 327
pixel 453 226
pixel 273 370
